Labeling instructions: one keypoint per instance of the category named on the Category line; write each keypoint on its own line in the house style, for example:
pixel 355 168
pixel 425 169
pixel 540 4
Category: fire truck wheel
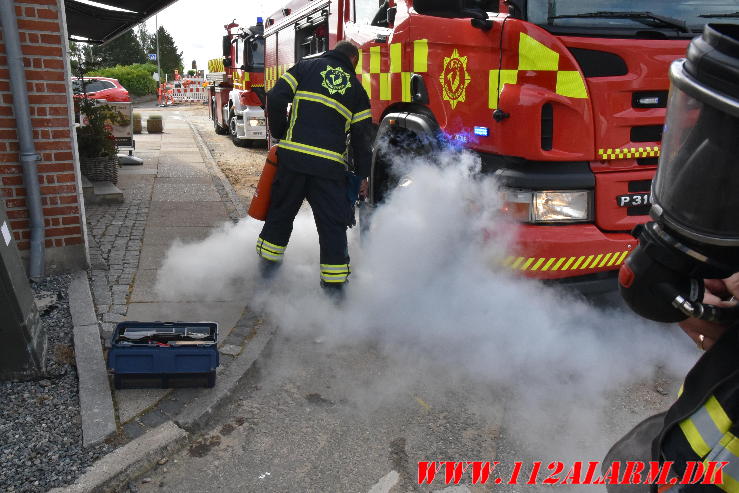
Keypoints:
pixel 218 129
pixel 232 130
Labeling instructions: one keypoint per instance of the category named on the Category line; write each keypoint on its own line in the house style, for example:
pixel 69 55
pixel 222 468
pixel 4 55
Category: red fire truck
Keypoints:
pixel 236 85
pixel 564 101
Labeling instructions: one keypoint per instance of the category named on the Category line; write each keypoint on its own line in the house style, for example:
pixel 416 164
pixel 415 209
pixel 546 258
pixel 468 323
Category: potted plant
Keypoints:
pixel 154 124
pixel 95 142
pixel 137 123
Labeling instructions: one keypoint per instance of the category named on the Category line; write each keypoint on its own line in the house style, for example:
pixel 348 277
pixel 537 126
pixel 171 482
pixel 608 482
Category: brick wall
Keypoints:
pixel 41 24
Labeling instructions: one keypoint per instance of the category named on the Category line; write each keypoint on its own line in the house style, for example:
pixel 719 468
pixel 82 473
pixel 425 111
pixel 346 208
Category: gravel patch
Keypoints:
pixel 40 430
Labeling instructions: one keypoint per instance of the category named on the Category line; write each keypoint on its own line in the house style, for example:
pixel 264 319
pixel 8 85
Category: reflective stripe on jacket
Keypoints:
pixel 703 425
pixel 327 104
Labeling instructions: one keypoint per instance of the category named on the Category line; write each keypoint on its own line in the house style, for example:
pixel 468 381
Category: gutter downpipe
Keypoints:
pixel 28 155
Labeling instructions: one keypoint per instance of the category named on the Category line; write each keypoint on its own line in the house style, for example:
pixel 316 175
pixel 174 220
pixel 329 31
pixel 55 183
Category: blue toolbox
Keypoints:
pixel 170 354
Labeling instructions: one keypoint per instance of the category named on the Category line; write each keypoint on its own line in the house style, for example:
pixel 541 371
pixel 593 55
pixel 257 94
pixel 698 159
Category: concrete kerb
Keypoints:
pixel 96 401
pixel 216 171
pixel 136 457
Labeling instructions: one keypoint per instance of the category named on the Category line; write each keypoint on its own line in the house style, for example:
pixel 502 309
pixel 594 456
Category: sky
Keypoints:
pixel 197 29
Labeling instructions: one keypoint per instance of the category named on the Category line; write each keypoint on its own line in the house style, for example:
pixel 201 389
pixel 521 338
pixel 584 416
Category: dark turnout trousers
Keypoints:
pixel 331 211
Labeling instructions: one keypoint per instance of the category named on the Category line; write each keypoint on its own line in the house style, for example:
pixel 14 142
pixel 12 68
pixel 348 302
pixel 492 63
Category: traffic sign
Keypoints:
pixel 152 56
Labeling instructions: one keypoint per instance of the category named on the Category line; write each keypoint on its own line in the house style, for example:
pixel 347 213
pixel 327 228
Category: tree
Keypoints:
pixel 126 49
pixel 169 58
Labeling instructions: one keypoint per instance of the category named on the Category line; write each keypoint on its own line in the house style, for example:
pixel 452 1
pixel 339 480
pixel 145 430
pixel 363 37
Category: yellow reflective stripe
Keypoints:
pixel 311 150
pixel 517 263
pixel 528 262
pixel 367 84
pixel 538 264
pixel 335 273
pixel 272 246
pixel 396 58
pixel 358 70
pixel 569 262
pixel 587 262
pixel 623 256
pixel 533 55
pixel 546 267
pixel 292 82
pixel 577 264
pixel 718 415
pixel 594 264
pixel 509 260
pixel 375 59
pixel 571 84
pixel 727 450
pixel 320 98
pixel 421 56
pixel 362 115
pixel 559 262
pixel 293 119
pixel 694 438
pixel 605 259
pixel 405 81
pixel 385 87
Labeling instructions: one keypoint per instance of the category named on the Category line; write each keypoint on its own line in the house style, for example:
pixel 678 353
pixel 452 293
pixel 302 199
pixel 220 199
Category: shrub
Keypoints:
pixel 135 78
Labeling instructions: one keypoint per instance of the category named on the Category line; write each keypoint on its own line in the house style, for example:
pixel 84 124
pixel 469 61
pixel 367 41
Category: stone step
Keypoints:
pixel 101 192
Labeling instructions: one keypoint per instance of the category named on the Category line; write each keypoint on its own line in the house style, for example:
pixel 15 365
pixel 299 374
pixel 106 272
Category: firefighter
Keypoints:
pixel 327 103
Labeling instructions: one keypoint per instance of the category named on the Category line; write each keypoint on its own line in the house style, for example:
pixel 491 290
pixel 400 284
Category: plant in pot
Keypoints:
pixel 154 124
pixel 137 123
pixel 95 142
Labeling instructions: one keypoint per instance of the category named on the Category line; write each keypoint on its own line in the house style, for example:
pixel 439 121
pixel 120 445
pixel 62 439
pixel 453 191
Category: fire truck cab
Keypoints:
pixel 564 102
pixel 236 86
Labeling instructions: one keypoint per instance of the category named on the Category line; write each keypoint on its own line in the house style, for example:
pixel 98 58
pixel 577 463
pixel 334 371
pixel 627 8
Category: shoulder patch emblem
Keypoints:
pixel 336 80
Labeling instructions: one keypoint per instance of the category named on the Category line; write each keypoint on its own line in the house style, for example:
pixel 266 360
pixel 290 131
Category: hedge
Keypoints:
pixel 135 78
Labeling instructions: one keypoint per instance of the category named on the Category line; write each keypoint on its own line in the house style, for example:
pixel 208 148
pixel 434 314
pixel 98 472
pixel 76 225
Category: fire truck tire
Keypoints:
pixel 216 127
pixel 234 134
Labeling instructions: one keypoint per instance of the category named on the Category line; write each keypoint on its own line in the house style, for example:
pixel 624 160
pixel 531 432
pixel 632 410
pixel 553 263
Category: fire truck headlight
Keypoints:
pixel 556 206
pixel 256 122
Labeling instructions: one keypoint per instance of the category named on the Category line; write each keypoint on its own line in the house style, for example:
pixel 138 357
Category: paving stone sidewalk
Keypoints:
pixel 178 193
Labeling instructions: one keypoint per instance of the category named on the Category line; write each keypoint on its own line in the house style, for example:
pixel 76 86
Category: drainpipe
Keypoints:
pixel 29 156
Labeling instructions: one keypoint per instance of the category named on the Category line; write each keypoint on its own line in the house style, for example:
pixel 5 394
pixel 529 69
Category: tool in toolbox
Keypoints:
pixel 185 352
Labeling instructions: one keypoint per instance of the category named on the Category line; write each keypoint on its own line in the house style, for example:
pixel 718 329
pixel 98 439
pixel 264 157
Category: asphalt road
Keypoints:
pixel 317 418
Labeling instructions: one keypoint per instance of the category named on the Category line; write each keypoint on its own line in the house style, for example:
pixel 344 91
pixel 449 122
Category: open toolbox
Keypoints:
pixel 164 354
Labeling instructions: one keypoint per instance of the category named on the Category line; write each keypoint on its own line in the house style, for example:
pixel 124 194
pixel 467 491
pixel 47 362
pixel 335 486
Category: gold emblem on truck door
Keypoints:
pixel 455 78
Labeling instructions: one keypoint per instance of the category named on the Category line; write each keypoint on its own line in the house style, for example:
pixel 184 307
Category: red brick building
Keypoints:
pixel 44 27
pixel 43 38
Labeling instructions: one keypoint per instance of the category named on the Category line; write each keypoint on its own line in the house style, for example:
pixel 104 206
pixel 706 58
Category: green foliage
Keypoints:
pixel 192 72
pixel 126 49
pixel 96 138
pixel 169 58
pixel 135 78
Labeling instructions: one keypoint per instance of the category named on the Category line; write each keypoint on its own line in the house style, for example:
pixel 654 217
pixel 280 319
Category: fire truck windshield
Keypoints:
pixel 683 15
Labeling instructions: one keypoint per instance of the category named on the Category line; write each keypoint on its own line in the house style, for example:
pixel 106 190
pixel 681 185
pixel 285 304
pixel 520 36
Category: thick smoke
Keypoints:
pixel 427 289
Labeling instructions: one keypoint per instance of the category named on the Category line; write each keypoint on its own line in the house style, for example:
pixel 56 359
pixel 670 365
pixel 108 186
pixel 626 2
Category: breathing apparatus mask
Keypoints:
pixel 695 193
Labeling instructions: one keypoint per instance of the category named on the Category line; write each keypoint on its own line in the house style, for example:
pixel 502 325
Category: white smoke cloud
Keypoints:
pixel 426 290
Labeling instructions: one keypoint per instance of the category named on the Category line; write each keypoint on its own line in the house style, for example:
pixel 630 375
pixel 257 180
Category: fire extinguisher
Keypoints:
pixel 260 202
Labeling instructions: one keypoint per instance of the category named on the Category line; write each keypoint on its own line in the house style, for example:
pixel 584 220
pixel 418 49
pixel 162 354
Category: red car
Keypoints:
pixel 101 88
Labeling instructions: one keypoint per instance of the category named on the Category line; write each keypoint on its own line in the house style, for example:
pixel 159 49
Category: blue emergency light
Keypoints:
pixel 260 20
pixel 482 131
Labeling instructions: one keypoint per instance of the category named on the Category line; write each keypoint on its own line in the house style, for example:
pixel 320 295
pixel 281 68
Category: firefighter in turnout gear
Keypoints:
pixel 327 104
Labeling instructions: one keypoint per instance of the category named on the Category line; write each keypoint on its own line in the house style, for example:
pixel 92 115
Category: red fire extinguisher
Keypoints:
pixel 260 202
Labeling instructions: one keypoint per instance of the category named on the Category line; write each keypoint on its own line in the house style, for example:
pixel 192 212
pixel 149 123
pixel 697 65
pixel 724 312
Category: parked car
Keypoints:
pixel 101 88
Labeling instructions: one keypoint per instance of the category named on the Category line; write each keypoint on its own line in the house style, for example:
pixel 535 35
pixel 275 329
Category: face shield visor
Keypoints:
pixel 695 192
pixel 696 188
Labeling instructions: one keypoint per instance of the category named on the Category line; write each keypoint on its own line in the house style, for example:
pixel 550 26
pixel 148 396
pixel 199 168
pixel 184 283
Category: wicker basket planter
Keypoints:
pixel 100 168
pixel 154 124
pixel 137 123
